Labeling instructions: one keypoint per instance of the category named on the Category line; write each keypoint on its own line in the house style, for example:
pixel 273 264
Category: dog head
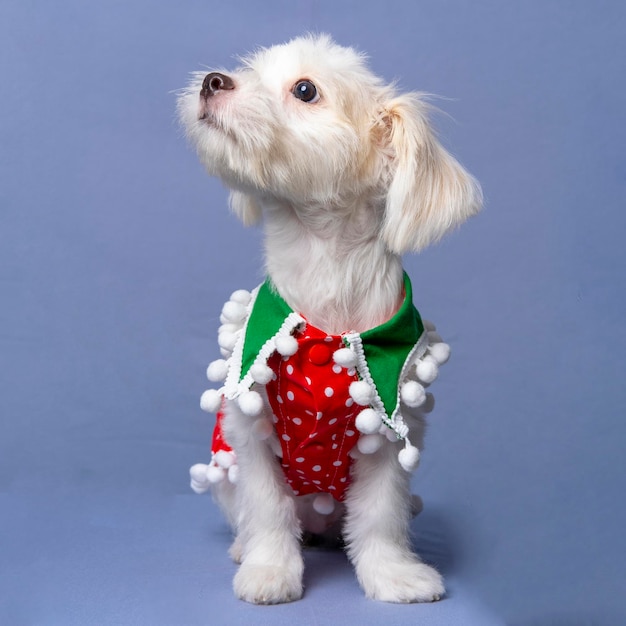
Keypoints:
pixel 307 123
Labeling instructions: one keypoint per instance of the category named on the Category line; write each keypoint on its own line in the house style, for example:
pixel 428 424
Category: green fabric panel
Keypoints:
pixel 268 314
pixel 387 346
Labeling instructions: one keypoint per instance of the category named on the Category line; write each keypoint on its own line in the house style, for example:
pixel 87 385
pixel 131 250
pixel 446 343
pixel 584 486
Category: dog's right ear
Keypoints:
pixel 245 207
pixel 429 192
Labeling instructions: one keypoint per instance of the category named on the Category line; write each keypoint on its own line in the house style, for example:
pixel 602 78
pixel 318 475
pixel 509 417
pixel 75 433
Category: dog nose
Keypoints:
pixel 214 82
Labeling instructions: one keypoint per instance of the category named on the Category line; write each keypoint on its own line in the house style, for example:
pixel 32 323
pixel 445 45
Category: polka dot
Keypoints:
pixel 349 433
pixel 316 482
pixel 297 421
pixel 286 437
pixel 319 415
pixel 343 480
pixel 289 369
pixel 337 369
pixel 308 380
pixel 316 468
pixel 335 446
pixel 300 459
pixel 279 399
pixel 332 488
pixel 337 463
pixel 332 421
pixel 290 395
pixel 349 402
pixel 328 338
pixel 351 372
pixel 328 392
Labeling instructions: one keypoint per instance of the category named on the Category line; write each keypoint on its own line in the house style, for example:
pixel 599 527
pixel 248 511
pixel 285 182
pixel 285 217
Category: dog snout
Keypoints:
pixel 214 82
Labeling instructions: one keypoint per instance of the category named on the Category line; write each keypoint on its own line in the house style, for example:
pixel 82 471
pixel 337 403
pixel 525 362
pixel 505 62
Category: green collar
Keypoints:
pixel 384 353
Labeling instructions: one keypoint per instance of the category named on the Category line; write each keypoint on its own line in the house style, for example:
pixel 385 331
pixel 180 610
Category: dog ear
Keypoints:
pixel 245 207
pixel 429 193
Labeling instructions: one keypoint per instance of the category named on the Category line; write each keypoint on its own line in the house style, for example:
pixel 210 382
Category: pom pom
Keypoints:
pixel 233 473
pixel 286 346
pixel 368 422
pixel 250 403
pixel 215 474
pixel 224 458
pixel 261 373
pixel 368 444
pixel 412 393
pixel 199 481
pixel 440 352
pixel 324 504
pixel 234 312
pixel 426 370
pixel 228 328
pixel 409 457
pixel 211 401
pixel 227 340
pixel 361 392
pixel 345 357
pixel 241 296
pixel 262 428
pixel 217 370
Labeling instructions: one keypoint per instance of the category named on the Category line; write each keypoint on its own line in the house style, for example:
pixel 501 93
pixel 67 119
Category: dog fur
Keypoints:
pixel 344 185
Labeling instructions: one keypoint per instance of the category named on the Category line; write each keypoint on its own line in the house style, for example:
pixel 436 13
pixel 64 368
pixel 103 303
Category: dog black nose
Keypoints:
pixel 214 82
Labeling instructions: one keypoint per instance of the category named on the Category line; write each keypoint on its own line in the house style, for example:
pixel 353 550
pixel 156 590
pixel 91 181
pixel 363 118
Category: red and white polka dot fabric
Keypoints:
pixel 314 414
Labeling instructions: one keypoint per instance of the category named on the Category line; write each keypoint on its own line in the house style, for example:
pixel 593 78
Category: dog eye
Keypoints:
pixel 306 91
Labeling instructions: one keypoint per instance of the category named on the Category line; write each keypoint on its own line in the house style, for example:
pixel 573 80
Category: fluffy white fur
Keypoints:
pixel 344 185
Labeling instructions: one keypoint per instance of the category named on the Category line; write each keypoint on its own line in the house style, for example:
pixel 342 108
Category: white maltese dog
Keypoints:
pixel 326 364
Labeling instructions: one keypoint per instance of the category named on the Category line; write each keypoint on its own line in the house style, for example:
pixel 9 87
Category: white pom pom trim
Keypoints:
pixel 199 481
pixel 261 373
pixel 250 403
pixel 242 296
pixel 409 457
pixel 215 474
pixel 368 444
pixel 217 370
pixel 345 357
pixel 324 504
pixel 412 393
pixel 286 346
pixel 211 401
pixel 368 422
pixel 234 312
pixel 227 340
pixel 361 392
pixel 426 370
pixel 440 352
pixel 224 458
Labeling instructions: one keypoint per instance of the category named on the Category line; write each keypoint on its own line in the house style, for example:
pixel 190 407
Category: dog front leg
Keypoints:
pixel 268 532
pixel 377 533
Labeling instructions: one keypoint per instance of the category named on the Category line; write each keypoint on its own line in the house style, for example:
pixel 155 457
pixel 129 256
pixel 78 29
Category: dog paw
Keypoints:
pixel 407 581
pixel 267 584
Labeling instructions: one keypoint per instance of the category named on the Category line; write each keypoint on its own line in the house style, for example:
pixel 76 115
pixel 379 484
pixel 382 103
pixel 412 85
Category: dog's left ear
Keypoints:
pixel 430 193
pixel 245 207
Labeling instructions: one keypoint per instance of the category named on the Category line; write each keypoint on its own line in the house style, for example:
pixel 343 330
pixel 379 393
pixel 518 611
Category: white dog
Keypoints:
pixel 320 415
